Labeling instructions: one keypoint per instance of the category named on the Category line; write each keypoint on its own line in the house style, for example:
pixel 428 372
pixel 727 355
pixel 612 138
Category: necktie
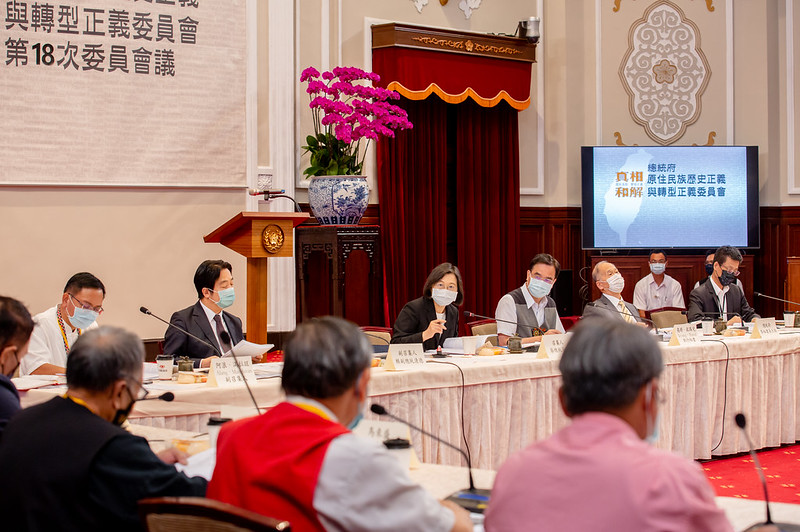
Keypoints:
pixel 626 314
pixel 220 329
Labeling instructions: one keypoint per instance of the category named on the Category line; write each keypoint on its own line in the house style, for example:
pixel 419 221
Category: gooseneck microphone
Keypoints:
pixel 741 422
pixel 272 194
pixel 166 396
pixel 145 310
pixel 473 499
pixel 469 314
pixel 226 339
pixel 759 294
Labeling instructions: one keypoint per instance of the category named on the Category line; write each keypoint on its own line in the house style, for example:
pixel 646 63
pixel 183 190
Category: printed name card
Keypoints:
pixel 552 346
pixel 764 328
pixel 685 334
pixel 380 431
pixel 405 356
pixel 224 373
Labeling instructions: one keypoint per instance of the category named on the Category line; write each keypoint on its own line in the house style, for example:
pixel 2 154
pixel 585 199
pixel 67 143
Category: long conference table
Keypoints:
pixel 511 401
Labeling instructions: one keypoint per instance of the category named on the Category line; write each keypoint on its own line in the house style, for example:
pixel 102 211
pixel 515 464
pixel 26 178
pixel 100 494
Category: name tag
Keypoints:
pixel 224 373
pixel 405 356
pixel 764 328
pixel 684 334
pixel 552 346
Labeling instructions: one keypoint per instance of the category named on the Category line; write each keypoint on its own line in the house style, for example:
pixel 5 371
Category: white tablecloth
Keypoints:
pixel 512 400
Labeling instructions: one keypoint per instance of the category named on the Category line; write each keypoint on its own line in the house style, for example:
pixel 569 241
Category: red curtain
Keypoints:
pixel 412 185
pixel 449 190
pixel 487 200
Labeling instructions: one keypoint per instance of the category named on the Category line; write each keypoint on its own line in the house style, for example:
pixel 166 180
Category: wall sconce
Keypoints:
pixel 529 29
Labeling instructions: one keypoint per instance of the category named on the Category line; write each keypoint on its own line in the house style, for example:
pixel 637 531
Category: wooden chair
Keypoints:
pixel 665 319
pixel 197 514
pixel 377 335
pixel 481 327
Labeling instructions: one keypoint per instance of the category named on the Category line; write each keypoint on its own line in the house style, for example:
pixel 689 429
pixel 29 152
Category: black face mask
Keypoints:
pixel 726 278
pixel 122 414
pixel 709 269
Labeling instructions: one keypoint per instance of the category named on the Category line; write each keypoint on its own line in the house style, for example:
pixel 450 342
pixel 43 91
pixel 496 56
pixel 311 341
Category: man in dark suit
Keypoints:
pixel 719 295
pixel 213 281
pixel 610 305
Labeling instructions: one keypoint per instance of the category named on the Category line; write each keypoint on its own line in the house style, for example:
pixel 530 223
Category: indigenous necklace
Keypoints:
pixel 63 329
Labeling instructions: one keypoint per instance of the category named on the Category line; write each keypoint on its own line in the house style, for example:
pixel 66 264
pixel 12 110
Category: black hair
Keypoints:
pixel 207 274
pixel 545 258
pixel 724 253
pixel 656 252
pixel 102 356
pixel 436 275
pixel 16 324
pixel 324 357
pixel 605 364
pixel 82 280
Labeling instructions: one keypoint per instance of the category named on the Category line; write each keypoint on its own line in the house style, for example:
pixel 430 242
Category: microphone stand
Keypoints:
pixel 651 322
pixel 514 339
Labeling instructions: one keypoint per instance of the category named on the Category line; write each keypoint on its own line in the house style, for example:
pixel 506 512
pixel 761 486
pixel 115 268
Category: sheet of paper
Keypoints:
pixel 249 349
pixel 150 371
pixel 200 465
pixel 456 345
pixel 30 382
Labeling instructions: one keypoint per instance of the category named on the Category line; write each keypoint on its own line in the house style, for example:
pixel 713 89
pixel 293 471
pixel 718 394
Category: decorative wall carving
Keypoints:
pixel 664 72
pixel 468 6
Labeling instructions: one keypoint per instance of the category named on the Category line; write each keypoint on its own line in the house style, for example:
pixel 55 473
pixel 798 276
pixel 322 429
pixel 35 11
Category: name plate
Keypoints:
pixel 380 431
pixel 405 356
pixel 685 334
pixel 224 373
pixel 764 328
pixel 552 346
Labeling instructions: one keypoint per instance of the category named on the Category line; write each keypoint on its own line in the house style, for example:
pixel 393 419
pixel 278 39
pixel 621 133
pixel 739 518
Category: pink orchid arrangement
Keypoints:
pixel 346 113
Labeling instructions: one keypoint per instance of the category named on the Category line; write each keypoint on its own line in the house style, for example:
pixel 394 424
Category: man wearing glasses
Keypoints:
pixel 57 328
pixel 530 306
pixel 69 464
pixel 657 290
pixel 719 296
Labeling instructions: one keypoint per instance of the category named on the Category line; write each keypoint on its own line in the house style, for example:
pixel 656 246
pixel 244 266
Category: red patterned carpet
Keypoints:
pixel 737 477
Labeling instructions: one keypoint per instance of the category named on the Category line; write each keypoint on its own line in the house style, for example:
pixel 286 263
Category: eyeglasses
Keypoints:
pixel 86 306
pixel 143 393
pixel 547 280
pixel 735 273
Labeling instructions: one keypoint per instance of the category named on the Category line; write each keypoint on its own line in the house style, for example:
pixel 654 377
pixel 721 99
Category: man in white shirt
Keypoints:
pixel 58 327
pixel 610 282
pixel 529 308
pixel 657 290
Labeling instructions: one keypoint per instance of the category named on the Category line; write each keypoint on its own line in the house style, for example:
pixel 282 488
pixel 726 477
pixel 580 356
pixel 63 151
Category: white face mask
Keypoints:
pixel 616 283
pixel 443 297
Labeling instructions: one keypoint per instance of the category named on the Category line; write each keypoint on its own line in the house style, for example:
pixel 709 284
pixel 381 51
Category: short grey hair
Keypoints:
pixel 596 270
pixel 102 356
pixel 324 357
pixel 606 363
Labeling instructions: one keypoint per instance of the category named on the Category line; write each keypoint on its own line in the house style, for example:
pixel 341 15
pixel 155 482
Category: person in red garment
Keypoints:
pixel 300 462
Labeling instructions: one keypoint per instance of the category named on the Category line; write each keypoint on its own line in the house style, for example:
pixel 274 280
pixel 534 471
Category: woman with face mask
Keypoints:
pixel 16 326
pixel 433 317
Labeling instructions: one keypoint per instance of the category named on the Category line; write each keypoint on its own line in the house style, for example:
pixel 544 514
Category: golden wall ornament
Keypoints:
pixel 710 142
pixel 709 5
pixel 272 238
pixel 618 142
pixel 664 72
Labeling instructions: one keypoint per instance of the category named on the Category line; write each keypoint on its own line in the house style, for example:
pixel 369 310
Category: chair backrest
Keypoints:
pixel 481 327
pixel 197 514
pixel 668 318
pixel 378 335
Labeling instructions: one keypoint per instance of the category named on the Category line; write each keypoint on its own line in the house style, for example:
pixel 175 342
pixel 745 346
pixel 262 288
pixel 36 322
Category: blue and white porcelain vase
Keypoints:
pixel 338 199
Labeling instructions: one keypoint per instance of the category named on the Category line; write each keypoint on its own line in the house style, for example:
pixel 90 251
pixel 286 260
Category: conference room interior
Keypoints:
pixel 134 178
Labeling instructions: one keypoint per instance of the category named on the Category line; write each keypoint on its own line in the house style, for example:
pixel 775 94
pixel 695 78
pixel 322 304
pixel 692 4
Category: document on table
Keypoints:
pixel 248 349
pixel 200 464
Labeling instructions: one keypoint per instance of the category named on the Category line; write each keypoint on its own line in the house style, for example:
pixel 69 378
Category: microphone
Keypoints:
pixel 166 396
pixel 759 294
pixel 610 309
pixel 272 194
pixel 145 310
pixel 469 314
pixel 472 499
pixel 226 339
pixel 741 422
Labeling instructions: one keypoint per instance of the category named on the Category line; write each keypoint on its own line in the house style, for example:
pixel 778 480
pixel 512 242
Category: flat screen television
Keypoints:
pixel 672 197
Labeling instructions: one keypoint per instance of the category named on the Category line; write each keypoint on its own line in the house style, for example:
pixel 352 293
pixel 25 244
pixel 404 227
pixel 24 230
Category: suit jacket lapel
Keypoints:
pixel 231 327
pixel 201 321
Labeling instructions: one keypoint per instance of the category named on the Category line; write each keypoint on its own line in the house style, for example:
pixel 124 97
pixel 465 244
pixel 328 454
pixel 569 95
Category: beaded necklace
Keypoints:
pixel 63 329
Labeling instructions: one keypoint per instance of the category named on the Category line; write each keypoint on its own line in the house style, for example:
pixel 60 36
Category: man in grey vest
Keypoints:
pixel 529 306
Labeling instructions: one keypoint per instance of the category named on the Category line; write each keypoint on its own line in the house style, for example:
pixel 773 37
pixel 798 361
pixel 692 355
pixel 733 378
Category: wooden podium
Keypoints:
pixel 258 236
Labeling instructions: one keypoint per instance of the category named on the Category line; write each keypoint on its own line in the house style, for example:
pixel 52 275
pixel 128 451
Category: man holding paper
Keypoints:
pixel 300 461
pixel 213 281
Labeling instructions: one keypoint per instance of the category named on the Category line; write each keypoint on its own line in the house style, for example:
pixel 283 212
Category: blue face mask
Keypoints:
pixel 658 267
pixel 226 297
pixel 356 420
pixel 82 318
pixel 539 288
